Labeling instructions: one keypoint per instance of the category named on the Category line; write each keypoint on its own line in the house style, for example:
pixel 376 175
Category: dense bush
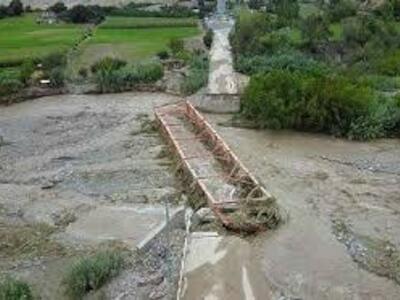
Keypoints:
pixel 12 289
pixel 197 76
pixel 26 70
pixel 90 273
pixel 286 10
pixel 291 61
pixel 56 77
pixel 14 8
pixel 107 63
pixel 163 54
pixel 9 85
pixel 246 34
pixel 83 14
pixel 58 7
pixel 340 9
pixel 332 104
pixel 389 64
pixel 53 60
pixel 255 4
pixel 176 45
pixel 133 10
pixel 208 38
pixel 117 80
pixel 315 30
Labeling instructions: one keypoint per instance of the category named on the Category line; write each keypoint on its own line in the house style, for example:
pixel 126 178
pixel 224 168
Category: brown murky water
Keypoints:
pixel 318 180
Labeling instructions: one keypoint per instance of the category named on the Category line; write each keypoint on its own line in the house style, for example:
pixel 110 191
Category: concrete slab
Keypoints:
pixel 218 267
pixel 132 225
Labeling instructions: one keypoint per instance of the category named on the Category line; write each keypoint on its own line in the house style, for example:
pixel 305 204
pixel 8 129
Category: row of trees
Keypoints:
pixel 15 8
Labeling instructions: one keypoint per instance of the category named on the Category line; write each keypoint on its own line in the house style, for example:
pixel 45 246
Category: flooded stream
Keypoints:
pixel 321 181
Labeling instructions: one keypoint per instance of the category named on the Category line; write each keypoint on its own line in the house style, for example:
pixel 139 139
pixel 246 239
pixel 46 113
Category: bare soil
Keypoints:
pixel 67 163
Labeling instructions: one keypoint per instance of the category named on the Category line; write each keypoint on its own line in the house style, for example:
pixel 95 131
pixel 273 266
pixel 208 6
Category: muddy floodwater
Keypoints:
pixel 79 172
pixel 342 237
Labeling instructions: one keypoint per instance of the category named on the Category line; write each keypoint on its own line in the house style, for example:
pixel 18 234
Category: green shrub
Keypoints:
pixel 111 80
pixel 135 10
pixel 286 10
pixel 283 99
pixel 389 64
pixel 208 38
pixel 56 77
pixel 58 7
pixel 26 70
pixel 90 273
pixel 53 60
pixel 274 41
pixel 315 30
pixel 83 72
pixel 340 9
pixel 176 45
pixel 83 14
pixel 163 54
pixel 143 73
pixel 249 28
pixel 9 85
pixel 197 76
pixel 291 61
pixel 12 289
pixel 107 63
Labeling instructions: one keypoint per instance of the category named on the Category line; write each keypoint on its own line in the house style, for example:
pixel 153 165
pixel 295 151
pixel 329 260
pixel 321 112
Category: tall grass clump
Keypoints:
pixel 90 273
pixel 13 289
pixel 197 76
pixel 110 79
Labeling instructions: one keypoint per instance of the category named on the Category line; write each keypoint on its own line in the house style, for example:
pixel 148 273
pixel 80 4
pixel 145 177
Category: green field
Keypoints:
pixel 22 37
pixel 130 22
pixel 130 43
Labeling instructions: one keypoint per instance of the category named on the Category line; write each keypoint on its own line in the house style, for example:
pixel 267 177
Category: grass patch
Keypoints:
pixel 22 38
pixel 12 289
pixel 90 273
pixel 17 241
pixel 137 22
pixel 130 44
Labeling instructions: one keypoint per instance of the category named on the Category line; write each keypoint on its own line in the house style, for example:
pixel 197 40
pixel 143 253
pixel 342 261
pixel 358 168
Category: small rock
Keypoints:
pixel 157 294
pixel 204 215
pixel 154 279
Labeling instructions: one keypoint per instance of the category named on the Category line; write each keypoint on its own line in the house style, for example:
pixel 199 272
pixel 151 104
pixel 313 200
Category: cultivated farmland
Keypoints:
pixel 22 38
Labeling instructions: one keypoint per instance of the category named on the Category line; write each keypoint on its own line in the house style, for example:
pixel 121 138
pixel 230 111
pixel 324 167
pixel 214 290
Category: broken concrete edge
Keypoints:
pixel 175 218
pixel 217 103
pixel 188 223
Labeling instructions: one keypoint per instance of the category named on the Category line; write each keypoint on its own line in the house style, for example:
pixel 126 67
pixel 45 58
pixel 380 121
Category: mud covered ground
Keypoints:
pixel 78 173
pixel 342 238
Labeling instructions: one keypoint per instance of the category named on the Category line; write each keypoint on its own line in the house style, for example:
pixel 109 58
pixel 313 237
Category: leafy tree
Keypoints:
pixel 83 14
pixel 15 8
pixel 58 7
pixel 249 28
pixel 340 9
pixel 255 4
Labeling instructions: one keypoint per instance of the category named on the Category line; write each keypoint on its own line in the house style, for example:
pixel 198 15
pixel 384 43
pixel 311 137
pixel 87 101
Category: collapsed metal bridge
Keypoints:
pixel 231 191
